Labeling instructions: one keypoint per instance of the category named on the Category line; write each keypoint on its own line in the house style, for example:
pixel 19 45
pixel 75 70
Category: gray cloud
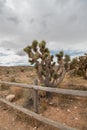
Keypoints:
pixel 10 58
pixel 20 53
pixel 57 21
pixel 2 4
pixel 13 19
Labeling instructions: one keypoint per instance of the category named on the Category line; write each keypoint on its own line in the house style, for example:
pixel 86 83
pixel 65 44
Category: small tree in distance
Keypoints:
pixel 49 72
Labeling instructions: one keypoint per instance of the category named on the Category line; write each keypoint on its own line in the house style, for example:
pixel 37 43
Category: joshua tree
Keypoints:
pixel 80 66
pixel 50 73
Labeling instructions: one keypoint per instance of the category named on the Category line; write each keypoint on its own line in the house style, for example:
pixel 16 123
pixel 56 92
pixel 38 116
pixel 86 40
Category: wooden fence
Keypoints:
pixel 35 114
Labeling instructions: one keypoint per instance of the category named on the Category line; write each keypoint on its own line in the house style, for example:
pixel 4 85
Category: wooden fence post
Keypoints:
pixel 35 96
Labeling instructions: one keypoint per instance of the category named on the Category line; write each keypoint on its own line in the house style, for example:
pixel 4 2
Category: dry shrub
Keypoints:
pixel 12 79
pixel 17 91
pixel 42 94
pixel 4 87
pixel 64 100
pixel 28 98
pixel 7 72
pixel 22 69
pixel 43 104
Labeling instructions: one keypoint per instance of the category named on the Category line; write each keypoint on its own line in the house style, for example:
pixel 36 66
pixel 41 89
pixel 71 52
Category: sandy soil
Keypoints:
pixel 72 112
pixel 8 121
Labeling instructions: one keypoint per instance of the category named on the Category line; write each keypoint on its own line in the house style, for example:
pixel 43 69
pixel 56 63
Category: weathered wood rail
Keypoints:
pixel 35 94
pixel 48 89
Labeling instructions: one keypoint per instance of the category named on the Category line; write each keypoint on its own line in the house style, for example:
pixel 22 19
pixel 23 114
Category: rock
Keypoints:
pixel 51 103
pixel 76 118
pixel 57 109
pixel 68 110
pixel 34 128
pixel 75 107
pixel 10 97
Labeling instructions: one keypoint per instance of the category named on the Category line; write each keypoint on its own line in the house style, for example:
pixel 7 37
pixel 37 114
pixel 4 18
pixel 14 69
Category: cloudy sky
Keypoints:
pixel 61 23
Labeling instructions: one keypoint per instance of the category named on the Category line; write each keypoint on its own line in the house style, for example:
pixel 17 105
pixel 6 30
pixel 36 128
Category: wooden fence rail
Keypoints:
pixel 35 114
pixel 38 117
pixel 48 89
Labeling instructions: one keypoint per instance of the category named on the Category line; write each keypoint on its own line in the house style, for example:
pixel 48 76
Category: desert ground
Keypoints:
pixel 69 110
